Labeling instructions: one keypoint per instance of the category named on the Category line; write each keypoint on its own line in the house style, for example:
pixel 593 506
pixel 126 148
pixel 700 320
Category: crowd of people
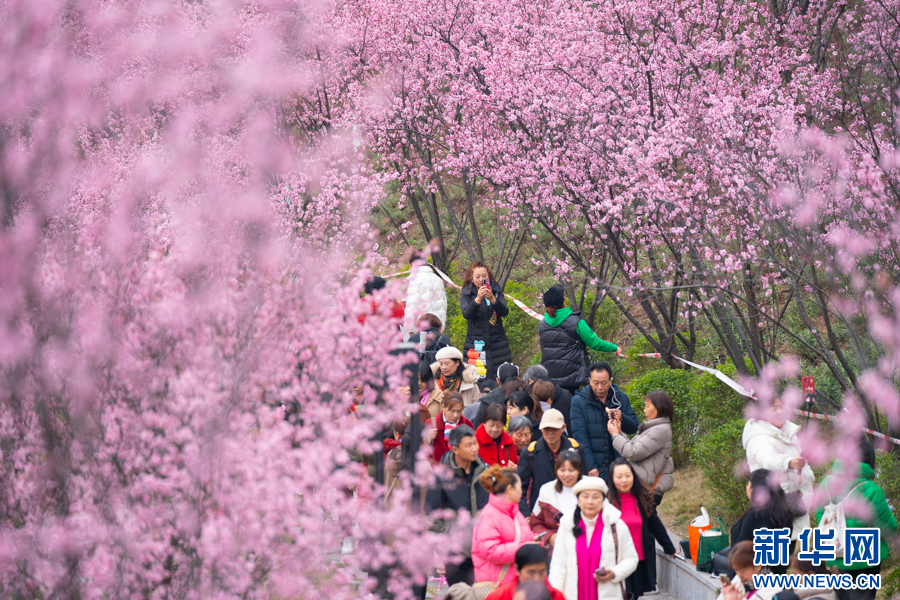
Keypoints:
pixel 560 479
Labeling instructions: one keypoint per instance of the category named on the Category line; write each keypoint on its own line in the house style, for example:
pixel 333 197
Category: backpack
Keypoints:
pixel 834 519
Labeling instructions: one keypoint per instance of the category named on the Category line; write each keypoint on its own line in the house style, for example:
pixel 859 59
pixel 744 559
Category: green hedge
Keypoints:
pixel 716 403
pixel 718 454
pixel 677 383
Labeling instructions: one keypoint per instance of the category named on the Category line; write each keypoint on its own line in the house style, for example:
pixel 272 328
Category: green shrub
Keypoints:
pixel 676 383
pixel 716 402
pixel 718 453
pixel 632 367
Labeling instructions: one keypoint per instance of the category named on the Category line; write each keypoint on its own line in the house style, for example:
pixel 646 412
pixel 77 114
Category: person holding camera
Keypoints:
pixel 484 307
pixel 594 552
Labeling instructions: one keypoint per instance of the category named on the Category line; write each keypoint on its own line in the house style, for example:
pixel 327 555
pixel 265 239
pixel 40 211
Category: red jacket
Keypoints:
pixel 507 591
pixel 503 454
pixel 441 447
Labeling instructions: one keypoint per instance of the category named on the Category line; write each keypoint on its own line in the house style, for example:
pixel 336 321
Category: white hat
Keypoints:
pixel 448 352
pixel 590 483
pixel 552 418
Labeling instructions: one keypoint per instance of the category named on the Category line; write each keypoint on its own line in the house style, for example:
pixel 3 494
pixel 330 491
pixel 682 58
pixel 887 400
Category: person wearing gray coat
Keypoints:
pixel 650 451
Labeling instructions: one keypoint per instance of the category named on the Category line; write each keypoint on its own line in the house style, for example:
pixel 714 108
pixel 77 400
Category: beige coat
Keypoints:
pixel 650 452
pixel 469 387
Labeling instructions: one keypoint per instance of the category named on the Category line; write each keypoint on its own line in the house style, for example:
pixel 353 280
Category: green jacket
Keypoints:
pixel 587 336
pixel 883 518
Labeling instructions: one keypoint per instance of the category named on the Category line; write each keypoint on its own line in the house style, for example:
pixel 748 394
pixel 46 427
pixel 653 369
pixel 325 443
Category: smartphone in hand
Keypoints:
pixel 601 572
pixel 539 536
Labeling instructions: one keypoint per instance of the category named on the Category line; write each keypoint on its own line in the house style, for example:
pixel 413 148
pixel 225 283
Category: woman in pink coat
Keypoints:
pixel 501 528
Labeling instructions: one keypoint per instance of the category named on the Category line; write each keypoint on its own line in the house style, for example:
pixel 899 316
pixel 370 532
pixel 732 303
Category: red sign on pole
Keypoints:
pixel 809 388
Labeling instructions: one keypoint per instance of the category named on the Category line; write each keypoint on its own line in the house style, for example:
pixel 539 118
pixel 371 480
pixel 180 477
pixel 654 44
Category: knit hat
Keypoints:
pixel 507 371
pixel 555 296
pixel 590 483
pixel 448 352
pixel 553 418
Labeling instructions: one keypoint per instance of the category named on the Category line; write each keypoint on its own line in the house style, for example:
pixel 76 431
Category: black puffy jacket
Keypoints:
pixel 478 317
pixel 563 353
pixel 535 469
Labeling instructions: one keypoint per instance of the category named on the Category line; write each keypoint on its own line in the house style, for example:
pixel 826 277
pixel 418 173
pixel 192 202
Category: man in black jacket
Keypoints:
pixel 459 491
pixel 537 464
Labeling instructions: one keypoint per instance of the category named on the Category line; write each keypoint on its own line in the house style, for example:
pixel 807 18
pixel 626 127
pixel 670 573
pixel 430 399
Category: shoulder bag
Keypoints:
pixel 625 594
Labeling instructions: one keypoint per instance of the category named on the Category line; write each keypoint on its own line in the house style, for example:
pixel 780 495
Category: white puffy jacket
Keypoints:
pixel 424 295
pixel 773 448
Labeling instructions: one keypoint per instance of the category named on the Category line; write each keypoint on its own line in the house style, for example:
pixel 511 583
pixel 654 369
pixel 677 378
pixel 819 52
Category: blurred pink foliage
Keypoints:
pixel 179 347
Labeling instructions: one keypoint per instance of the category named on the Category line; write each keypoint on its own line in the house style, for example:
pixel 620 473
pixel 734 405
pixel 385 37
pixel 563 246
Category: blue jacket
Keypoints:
pixel 589 425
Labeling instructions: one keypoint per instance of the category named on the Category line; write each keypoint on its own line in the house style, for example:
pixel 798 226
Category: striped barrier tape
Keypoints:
pixel 445 277
pixel 742 391
pixel 717 373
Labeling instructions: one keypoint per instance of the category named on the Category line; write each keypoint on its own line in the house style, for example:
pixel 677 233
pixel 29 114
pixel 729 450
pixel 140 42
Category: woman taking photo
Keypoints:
pixel 520 431
pixel 631 496
pixel 771 443
pixel 452 375
pixel 768 509
pixel 495 446
pixel 565 338
pixel 650 451
pixel 484 307
pixel 557 498
pixel 501 529
pixel 523 404
pixel 593 553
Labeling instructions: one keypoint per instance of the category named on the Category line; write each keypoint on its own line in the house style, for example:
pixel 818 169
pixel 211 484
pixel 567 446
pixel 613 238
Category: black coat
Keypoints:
pixel 756 518
pixel 563 353
pixel 454 491
pixel 535 469
pixel 643 579
pixel 562 401
pixel 478 317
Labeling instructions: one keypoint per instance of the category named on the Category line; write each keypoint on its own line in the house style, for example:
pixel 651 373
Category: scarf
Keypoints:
pixel 451 383
pixel 588 560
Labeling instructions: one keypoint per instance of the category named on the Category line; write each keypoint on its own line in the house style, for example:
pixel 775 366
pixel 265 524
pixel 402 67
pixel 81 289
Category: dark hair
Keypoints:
pixel 523 400
pixel 776 510
pixel 496 479
pixel 530 554
pixel 806 566
pixel 400 425
pixel 578 531
pixel 741 555
pixel 662 402
pixel 543 390
pixel 433 320
pixel 374 283
pixel 476 265
pixel 514 385
pixel 490 384
pixel 451 398
pixel 458 433
pixel 534 590
pixel 638 489
pixel 573 458
pixel 425 372
pixel 867 453
pixel 495 412
pixel 600 366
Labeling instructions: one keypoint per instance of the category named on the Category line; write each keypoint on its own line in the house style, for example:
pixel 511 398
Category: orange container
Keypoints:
pixel 694 539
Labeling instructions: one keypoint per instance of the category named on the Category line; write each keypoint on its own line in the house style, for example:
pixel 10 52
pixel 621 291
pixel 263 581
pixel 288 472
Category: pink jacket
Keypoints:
pixel 493 540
